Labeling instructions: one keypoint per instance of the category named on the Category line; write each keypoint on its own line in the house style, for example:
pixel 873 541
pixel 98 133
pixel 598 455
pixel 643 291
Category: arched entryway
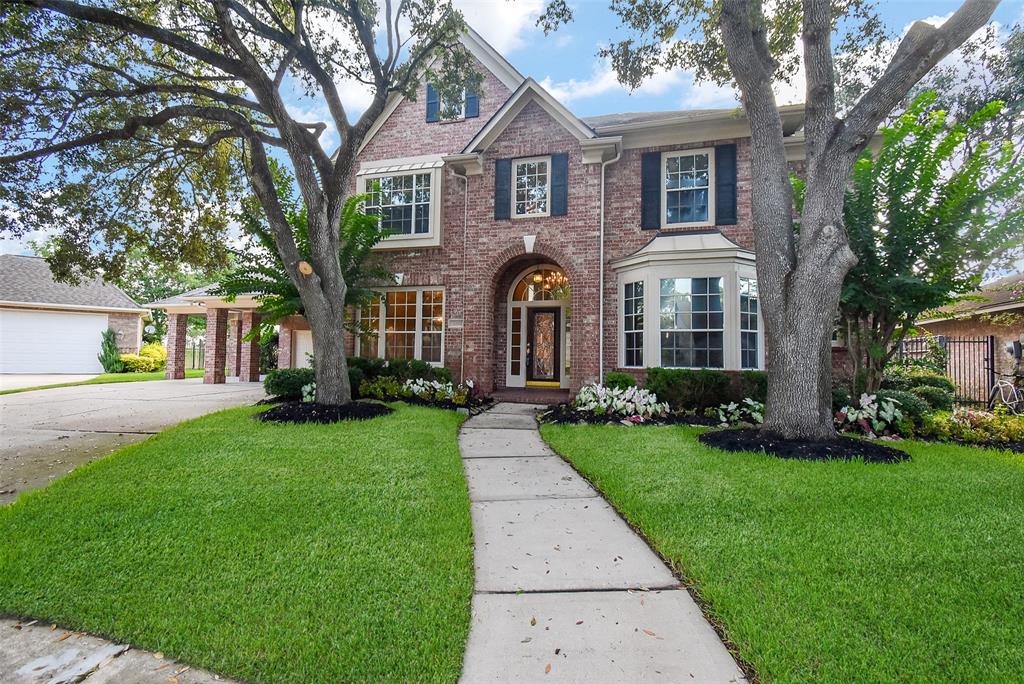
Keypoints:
pixel 538 325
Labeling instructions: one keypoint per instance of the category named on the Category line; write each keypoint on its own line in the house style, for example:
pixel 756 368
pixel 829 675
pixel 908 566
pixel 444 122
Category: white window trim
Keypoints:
pixel 710 152
pixel 622 323
pixel 526 160
pixel 432 238
pixel 760 325
pixel 418 343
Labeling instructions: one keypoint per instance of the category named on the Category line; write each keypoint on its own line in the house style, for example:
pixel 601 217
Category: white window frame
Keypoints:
pixel 526 160
pixel 759 332
pixel 723 277
pixel 710 152
pixel 643 317
pixel 440 110
pixel 432 238
pixel 418 344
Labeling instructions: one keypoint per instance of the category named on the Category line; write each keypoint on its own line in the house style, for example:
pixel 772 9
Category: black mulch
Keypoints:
pixel 308 412
pixel 842 449
pixel 564 413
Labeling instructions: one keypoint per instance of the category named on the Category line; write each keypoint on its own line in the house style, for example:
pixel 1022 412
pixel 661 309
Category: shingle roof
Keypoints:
pixel 999 294
pixel 626 118
pixel 179 299
pixel 28 280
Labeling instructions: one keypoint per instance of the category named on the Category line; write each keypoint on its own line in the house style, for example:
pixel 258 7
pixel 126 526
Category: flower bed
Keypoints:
pixel 426 392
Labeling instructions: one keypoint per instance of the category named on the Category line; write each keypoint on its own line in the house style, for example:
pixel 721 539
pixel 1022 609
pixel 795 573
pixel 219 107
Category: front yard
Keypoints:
pixel 831 572
pixel 264 552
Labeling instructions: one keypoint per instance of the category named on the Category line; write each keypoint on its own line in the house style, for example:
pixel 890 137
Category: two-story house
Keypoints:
pixel 535 248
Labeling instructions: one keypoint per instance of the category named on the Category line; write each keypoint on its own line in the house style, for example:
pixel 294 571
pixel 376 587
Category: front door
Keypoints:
pixel 543 347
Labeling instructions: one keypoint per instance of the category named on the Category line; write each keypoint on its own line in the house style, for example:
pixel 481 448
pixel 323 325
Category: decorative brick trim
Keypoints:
pixel 216 346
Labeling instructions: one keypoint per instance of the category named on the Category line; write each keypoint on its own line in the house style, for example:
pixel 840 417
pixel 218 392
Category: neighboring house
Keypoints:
pixel 996 310
pixel 533 248
pixel 51 327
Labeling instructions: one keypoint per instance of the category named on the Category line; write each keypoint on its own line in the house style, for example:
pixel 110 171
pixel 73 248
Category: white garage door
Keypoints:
pixel 50 341
pixel 303 342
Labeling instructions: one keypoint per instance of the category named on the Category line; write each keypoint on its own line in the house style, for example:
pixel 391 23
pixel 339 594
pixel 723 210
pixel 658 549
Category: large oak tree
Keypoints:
pixel 753 45
pixel 140 123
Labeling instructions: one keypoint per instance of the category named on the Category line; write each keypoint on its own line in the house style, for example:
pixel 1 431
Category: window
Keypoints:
pixel 413 326
pixel 687 196
pixel 750 356
pixel 532 187
pixel 402 202
pixel 633 324
pixel 692 322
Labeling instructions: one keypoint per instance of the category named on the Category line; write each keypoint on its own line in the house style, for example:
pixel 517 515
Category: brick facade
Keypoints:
pixel 977 326
pixel 128 327
pixel 249 354
pixel 177 333
pixel 216 345
pixel 234 351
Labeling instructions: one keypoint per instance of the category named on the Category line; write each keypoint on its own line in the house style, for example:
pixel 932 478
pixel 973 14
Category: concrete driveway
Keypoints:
pixel 9 381
pixel 47 433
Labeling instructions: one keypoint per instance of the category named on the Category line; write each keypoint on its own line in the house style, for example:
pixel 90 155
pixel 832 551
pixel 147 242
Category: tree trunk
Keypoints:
pixel 327 324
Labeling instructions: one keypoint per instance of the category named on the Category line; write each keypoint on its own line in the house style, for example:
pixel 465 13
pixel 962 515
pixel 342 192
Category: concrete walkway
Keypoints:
pixel 36 653
pixel 565 590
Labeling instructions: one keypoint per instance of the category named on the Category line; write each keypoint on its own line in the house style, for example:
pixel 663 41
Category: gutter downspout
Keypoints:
pixel 465 236
pixel 600 277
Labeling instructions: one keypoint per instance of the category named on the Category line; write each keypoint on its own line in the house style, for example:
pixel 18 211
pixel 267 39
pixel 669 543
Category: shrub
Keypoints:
pixel 747 411
pixel 871 416
pixel 287 383
pixel 383 388
pixel 936 397
pixel 109 356
pixel 434 392
pixel 685 389
pixel 403 369
pixel 840 398
pixel 974 427
pixel 630 403
pixel 157 352
pixel 913 407
pixel 753 385
pixel 134 363
pixel 355 380
pixel 908 377
pixel 619 380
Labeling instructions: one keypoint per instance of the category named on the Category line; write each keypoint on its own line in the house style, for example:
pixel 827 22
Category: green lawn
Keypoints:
pixel 265 552
pixel 106 378
pixel 832 572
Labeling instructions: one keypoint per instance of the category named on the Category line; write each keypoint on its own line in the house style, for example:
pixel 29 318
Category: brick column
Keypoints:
pixel 216 346
pixel 249 363
pixel 177 330
pixel 231 366
pixel 284 347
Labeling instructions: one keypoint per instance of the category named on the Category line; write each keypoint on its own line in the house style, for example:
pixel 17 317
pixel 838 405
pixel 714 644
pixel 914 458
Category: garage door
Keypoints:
pixel 50 341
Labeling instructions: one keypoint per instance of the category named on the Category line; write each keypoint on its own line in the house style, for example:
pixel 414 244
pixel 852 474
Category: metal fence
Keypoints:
pixel 195 355
pixel 970 363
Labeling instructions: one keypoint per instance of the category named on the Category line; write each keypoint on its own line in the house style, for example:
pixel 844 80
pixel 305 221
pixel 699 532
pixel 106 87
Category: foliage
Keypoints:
pixel 259 271
pixel 974 427
pixel 619 380
pixel 871 417
pixel 753 384
pixel 268 524
pixel 748 411
pixel 157 352
pixel 384 388
pixel 631 403
pixel 309 392
pixel 937 398
pixel 684 389
pixel 934 359
pixel 922 236
pixel 287 383
pixel 430 392
pixel 908 377
pixel 110 356
pixel 897 555
pixel 911 405
pixel 403 369
pixel 134 363
pixel 840 397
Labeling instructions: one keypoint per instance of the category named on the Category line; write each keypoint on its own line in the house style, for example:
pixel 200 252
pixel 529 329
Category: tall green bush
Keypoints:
pixel 109 356
pixel 687 389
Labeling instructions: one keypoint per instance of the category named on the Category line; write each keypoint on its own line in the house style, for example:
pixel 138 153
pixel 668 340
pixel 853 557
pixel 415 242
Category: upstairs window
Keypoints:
pixel 532 183
pixel 402 202
pixel 440 109
pixel 686 194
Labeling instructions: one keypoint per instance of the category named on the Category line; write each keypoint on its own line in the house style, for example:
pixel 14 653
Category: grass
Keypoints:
pixel 831 572
pixel 272 553
pixel 106 378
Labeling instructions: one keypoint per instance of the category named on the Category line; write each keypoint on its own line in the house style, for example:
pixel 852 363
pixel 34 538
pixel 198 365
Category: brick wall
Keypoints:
pixel 128 327
pixel 977 327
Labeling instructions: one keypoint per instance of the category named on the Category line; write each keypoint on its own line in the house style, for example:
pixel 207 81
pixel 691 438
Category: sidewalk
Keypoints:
pixel 565 590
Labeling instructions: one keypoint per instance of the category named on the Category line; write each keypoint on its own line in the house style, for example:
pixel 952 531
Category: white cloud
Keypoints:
pixel 505 24
pixel 603 81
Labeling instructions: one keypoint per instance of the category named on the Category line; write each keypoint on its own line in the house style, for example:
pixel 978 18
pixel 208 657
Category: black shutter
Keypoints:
pixel 472 104
pixel 650 190
pixel 433 105
pixel 502 189
pixel 725 185
pixel 559 184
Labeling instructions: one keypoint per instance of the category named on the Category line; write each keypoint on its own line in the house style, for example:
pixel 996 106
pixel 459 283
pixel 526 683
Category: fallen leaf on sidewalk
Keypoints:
pixel 182 669
pixel 53 627
pixel 547 670
pixel 158 655
pixel 649 633
pixel 65 635
pixel 533 621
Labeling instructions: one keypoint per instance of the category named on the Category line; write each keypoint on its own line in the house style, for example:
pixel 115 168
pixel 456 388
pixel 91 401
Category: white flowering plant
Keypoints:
pixel 870 417
pixel 631 403
pixel 309 393
pixel 747 411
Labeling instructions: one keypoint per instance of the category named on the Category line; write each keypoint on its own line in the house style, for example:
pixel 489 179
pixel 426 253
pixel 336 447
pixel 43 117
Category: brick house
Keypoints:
pixel 534 248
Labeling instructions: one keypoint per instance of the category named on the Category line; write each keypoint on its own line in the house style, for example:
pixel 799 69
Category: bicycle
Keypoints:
pixel 1006 392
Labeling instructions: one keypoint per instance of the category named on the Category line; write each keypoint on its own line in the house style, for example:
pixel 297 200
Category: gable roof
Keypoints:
pixel 529 91
pixel 490 58
pixel 1003 294
pixel 28 280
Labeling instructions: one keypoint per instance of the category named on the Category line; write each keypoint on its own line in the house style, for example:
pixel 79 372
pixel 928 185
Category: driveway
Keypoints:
pixel 47 433
pixel 9 381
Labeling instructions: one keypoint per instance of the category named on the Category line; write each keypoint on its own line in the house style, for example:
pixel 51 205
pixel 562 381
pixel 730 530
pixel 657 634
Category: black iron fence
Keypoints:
pixel 195 355
pixel 970 363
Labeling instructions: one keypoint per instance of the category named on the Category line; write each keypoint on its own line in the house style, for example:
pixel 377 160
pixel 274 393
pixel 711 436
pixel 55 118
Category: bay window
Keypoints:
pixel 692 323
pixel 633 324
pixel 750 352
pixel 404 324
